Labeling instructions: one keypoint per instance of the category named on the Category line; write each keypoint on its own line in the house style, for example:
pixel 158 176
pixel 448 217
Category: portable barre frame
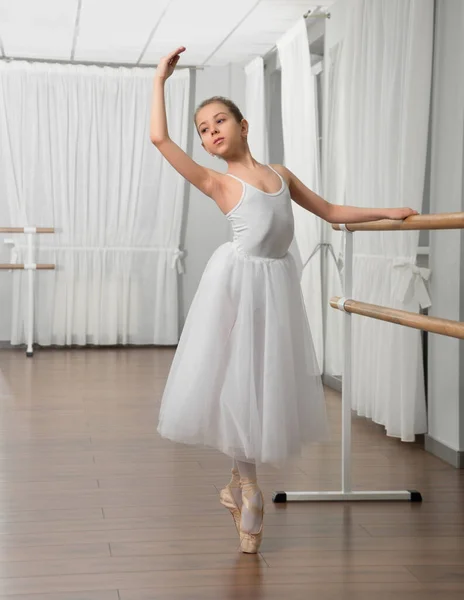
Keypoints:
pixel 404 318
pixel 30 266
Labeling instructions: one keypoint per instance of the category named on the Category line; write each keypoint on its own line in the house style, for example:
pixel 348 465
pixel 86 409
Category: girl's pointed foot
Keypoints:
pixel 252 513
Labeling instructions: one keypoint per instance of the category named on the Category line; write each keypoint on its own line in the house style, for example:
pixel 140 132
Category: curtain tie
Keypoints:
pixel 177 256
pixel 328 247
pixel 414 285
pixel 14 253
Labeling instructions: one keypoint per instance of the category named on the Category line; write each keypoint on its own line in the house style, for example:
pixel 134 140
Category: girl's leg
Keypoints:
pixel 247 470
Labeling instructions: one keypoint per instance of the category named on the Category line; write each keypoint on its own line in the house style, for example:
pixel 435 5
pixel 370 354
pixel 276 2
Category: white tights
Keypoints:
pixel 247 470
pixel 251 519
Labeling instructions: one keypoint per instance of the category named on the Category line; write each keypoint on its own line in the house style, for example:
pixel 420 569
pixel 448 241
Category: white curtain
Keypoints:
pixel 75 153
pixel 386 63
pixel 301 150
pixel 255 108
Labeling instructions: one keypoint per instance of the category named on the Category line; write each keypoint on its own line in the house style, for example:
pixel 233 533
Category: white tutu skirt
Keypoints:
pixel 245 379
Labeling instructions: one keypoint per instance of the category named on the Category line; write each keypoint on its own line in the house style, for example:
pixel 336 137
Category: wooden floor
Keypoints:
pixel 95 506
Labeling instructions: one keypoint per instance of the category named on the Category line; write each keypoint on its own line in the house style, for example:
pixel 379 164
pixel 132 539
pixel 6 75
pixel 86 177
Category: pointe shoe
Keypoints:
pixel 251 542
pixel 227 499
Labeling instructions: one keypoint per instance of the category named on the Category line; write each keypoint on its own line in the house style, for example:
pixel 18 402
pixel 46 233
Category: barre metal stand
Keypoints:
pixel 30 266
pixel 346 493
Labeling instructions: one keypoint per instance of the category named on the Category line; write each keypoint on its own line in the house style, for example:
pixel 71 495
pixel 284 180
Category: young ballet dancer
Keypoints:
pixel 244 379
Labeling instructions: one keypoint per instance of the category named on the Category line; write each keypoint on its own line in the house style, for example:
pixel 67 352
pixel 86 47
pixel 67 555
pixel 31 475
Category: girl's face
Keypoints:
pixel 220 133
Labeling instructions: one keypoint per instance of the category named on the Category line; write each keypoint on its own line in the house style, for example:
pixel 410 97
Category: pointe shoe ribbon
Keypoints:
pixel 227 499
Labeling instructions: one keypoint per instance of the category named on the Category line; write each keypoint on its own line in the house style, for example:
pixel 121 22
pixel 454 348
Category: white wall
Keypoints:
pixel 206 226
pixel 446 355
pixel 334 33
pixel 335 26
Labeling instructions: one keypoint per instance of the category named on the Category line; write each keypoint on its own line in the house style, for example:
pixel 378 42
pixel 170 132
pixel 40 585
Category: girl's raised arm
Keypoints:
pixel 199 176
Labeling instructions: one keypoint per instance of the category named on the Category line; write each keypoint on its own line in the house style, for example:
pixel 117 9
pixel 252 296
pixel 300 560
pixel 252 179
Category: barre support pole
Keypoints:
pixel 30 294
pixel 346 493
pixel 30 266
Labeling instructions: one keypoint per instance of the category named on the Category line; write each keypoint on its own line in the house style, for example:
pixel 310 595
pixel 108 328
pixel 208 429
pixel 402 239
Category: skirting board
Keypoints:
pixel 332 382
pixel 450 456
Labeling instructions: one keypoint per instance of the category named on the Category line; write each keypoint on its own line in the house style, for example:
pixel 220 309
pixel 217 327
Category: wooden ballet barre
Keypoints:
pixel 453 329
pixel 446 327
pixel 27 230
pixel 26 267
pixel 437 221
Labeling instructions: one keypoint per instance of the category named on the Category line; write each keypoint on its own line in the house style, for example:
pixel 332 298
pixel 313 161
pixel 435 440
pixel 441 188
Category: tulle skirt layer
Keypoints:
pixel 245 379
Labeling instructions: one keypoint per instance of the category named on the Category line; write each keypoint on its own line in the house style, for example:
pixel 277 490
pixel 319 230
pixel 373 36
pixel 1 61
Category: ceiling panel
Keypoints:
pixel 199 25
pixel 115 31
pixel 29 28
pixel 260 31
pixel 215 32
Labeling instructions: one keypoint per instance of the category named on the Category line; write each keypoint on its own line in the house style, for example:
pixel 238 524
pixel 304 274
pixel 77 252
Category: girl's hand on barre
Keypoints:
pixel 399 214
pixel 168 63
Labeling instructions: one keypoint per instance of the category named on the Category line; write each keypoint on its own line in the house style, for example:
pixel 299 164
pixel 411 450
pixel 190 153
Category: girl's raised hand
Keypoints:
pixel 168 63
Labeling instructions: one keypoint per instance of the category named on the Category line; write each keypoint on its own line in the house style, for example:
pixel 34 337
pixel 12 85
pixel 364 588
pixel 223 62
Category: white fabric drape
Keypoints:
pixel 386 62
pixel 255 110
pixel 301 150
pixel 75 153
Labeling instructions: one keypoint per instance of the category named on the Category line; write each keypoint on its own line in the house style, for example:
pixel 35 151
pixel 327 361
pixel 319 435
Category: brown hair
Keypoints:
pixel 234 109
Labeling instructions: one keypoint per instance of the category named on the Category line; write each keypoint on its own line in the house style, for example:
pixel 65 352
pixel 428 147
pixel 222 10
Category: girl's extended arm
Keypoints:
pixel 334 213
pixel 199 176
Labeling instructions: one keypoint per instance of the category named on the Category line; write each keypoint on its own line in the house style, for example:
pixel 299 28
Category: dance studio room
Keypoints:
pixel 231 299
